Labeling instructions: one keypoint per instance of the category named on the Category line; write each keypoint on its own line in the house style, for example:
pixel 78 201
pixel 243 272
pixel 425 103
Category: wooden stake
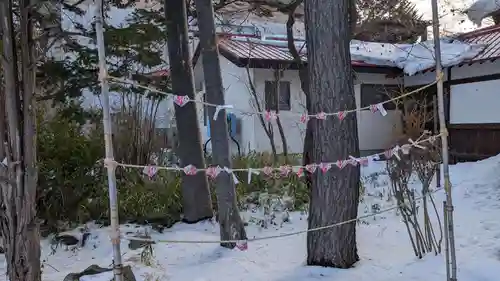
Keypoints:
pixel 113 201
pixel 446 239
pixel 444 141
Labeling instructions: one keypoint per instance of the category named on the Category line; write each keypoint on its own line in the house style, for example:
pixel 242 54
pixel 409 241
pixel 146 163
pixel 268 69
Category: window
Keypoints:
pixel 376 93
pixel 277 102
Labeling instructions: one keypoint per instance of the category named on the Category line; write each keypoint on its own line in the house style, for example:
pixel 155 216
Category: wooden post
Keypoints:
pixel 109 161
pixel 444 141
pixel 446 240
pixel 435 119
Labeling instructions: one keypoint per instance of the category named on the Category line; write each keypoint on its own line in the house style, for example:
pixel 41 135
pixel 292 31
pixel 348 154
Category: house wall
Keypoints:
pixel 294 130
pixel 471 109
pixel 375 131
pixel 235 82
pixel 474 120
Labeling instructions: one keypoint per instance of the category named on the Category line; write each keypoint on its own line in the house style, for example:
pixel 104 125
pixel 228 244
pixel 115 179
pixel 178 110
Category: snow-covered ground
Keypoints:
pixel 383 243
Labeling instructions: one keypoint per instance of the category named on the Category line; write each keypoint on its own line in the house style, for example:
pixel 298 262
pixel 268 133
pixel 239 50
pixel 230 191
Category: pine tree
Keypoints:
pixel 134 50
pixel 334 194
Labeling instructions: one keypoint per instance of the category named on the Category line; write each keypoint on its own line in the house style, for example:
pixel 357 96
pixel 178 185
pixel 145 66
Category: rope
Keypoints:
pixel 191 170
pixel 341 114
pixel 278 235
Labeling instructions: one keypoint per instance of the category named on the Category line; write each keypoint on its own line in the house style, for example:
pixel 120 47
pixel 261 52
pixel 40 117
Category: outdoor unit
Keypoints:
pixel 235 138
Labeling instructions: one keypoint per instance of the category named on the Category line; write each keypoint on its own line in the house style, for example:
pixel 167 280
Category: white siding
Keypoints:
pixel 374 130
pixel 475 103
pixel 235 82
pixel 470 103
pixel 475 70
pixel 293 129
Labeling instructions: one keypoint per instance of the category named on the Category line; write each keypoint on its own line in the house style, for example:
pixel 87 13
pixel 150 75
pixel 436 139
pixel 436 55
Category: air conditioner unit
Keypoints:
pixel 234 124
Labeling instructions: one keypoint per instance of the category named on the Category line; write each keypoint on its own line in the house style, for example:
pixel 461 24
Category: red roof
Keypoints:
pixel 160 73
pixel 268 52
pixel 489 36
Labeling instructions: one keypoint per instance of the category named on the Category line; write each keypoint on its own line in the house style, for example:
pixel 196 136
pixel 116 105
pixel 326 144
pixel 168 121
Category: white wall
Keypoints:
pixel 470 103
pixel 457 72
pixel 475 103
pixel 475 70
pixel 421 79
pixel 374 130
pixel 294 130
pixel 235 82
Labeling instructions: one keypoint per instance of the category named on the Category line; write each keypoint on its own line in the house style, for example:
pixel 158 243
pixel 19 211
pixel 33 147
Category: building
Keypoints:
pixel 252 62
pixel 471 99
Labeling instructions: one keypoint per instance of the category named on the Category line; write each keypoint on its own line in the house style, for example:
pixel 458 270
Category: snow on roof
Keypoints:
pixel 256 49
pixel 482 9
pixel 411 58
pixel 489 37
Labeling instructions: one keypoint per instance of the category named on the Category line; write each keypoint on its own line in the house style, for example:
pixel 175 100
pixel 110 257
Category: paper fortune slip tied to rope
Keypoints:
pixel 378 107
pixel 150 171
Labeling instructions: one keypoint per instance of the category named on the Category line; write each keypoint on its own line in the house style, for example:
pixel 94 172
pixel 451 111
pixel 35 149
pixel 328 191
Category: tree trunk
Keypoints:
pixel 231 225
pixel 197 203
pixel 334 194
pixel 19 179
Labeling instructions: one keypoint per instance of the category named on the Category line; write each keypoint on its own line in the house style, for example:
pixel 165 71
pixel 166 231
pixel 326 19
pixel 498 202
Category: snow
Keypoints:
pixel 383 243
pixel 452 16
pixel 413 58
pixel 481 9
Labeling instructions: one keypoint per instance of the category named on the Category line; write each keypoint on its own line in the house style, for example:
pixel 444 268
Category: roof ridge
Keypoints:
pixel 479 32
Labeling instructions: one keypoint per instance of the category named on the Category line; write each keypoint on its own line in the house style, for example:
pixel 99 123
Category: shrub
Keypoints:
pixel 73 182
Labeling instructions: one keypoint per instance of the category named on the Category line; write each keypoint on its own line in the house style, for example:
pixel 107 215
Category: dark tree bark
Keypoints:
pixel 334 194
pixel 197 203
pixel 231 225
pixel 18 179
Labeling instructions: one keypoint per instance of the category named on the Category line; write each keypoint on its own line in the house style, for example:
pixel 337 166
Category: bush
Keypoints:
pixel 73 182
pixel 68 172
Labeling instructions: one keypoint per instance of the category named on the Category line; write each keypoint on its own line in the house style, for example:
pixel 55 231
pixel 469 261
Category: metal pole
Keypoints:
pixel 113 201
pixel 444 140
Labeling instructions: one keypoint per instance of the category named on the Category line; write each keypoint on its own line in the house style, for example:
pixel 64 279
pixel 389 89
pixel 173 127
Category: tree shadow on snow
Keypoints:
pixel 209 256
pixel 309 273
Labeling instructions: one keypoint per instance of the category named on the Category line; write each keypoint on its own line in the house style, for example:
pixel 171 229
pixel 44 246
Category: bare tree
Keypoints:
pixel 335 193
pixel 277 97
pixel 197 202
pixel 268 128
pixel 18 177
pixel 231 225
